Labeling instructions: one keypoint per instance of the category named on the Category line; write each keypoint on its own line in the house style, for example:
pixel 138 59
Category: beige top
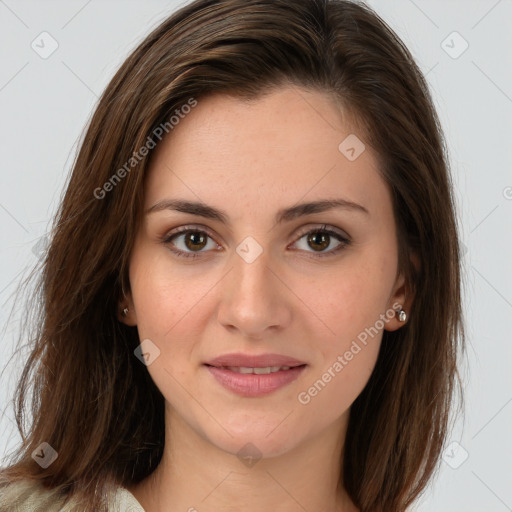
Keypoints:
pixel 26 497
pixel 126 501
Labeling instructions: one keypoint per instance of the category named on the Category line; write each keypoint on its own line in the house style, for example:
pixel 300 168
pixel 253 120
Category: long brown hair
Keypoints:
pixel 94 402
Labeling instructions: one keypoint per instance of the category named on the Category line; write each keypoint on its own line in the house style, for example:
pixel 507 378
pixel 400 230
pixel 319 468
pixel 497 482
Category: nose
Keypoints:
pixel 254 297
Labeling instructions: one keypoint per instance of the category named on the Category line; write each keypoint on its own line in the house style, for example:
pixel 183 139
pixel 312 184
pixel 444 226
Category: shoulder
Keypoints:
pixel 125 501
pixel 30 496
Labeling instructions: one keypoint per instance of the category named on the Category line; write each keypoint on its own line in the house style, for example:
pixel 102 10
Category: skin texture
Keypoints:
pixel 251 159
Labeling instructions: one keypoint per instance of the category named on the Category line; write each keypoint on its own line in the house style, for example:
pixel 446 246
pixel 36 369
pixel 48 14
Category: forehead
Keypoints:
pixel 285 147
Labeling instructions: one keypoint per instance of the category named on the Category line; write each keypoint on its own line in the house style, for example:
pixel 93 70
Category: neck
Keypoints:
pixel 195 474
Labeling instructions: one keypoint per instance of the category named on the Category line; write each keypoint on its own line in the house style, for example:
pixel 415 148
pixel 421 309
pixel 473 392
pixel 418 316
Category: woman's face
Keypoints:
pixel 252 285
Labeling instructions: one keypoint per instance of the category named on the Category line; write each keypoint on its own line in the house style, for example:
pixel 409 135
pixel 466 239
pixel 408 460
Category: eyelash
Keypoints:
pixel 189 229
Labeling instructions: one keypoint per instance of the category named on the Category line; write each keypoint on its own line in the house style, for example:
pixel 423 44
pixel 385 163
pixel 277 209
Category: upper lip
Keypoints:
pixel 254 361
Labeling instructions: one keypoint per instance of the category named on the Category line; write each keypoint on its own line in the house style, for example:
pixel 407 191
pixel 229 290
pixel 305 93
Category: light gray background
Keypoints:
pixel 45 103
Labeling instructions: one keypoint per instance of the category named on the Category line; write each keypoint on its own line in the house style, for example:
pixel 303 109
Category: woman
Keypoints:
pixel 252 292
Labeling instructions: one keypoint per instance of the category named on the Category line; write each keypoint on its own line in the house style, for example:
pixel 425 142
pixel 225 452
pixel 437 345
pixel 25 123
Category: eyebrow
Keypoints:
pixel 283 215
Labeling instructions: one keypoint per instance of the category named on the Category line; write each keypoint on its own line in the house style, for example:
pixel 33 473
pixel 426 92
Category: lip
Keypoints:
pixel 249 384
pixel 254 361
pixel 252 385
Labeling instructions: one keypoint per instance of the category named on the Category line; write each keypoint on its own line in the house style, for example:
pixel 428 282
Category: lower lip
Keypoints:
pixel 250 384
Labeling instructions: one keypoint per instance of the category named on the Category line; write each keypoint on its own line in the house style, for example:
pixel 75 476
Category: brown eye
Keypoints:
pixel 189 243
pixel 192 243
pixel 319 241
pixel 195 240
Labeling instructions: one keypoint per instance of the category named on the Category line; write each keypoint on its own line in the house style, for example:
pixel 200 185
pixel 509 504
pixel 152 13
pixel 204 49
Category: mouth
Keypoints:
pixel 249 381
pixel 246 370
pixel 254 361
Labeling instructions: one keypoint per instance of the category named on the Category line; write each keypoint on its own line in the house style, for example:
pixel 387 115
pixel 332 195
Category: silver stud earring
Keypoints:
pixel 124 312
pixel 402 316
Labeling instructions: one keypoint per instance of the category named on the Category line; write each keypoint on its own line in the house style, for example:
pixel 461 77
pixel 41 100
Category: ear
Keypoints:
pixel 402 298
pixel 126 311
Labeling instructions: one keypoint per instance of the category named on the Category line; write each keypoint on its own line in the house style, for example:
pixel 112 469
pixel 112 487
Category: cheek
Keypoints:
pixel 164 298
pixel 351 305
pixel 330 393
pixel 165 303
pixel 346 301
pixel 347 358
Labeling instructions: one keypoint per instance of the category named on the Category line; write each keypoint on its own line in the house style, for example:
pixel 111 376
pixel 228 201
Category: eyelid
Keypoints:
pixel 185 229
pixel 324 227
pixel 344 238
pixel 307 229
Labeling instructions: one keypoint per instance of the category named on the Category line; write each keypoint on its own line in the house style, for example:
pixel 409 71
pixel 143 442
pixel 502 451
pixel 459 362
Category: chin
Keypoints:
pixel 253 439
